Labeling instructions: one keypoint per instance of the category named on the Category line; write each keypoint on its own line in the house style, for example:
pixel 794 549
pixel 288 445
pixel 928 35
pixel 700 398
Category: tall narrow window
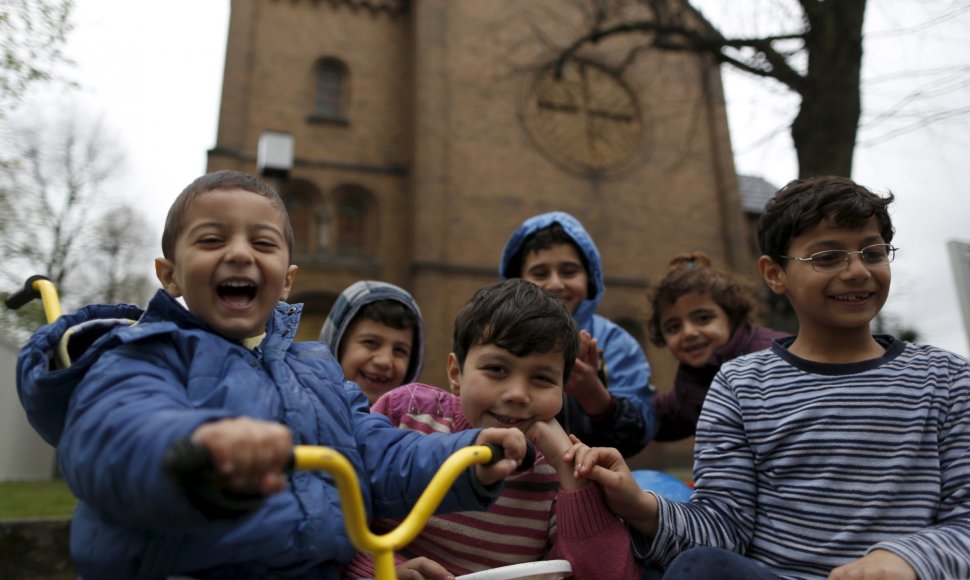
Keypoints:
pixel 331 89
pixel 305 206
pixel 355 229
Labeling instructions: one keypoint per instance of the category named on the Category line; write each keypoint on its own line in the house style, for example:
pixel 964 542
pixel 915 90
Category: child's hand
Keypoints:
pixel 550 439
pixel 512 441
pixel 876 564
pixel 584 384
pixel 422 568
pixel 249 453
pixel 584 370
pixel 606 466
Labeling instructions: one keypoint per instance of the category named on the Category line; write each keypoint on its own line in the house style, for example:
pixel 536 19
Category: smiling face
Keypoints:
pixel 841 303
pixel 694 327
pixel 499 389
pixel 559 271
pixel 230 262
pixel 375 356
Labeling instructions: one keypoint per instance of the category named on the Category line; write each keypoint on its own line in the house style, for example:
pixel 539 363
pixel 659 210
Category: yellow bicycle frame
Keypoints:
pixel 382 547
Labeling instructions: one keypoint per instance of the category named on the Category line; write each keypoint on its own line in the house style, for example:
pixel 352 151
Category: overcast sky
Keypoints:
pixel 153 70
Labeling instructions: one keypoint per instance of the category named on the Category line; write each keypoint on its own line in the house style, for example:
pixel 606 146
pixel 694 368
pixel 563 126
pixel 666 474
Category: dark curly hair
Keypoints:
pixel 804 203
pixel 693 273
pixel 519 317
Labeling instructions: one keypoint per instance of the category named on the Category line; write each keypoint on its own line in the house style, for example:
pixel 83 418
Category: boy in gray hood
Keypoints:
pixel 377 334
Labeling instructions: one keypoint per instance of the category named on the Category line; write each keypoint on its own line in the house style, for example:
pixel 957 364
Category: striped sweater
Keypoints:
pixel 532 520
pixel 805 466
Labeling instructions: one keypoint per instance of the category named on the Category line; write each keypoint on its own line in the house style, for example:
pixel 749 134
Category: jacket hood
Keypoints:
pixel 360 294
pixel 510 265
pixel 45 384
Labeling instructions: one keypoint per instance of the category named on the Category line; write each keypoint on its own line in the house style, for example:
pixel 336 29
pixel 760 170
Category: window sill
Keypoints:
pixel 326 119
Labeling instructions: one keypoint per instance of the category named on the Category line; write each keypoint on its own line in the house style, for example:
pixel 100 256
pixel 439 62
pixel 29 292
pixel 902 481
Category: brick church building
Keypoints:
pixel 423 132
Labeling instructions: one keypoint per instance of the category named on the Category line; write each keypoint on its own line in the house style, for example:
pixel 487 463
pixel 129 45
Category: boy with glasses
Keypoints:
pixel 836 453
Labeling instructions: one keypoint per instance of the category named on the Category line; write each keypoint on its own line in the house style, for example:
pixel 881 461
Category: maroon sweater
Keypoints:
pixel 678 409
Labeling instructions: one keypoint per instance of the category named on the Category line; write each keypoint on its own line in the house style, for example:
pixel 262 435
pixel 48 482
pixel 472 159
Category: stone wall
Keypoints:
pixel 36 548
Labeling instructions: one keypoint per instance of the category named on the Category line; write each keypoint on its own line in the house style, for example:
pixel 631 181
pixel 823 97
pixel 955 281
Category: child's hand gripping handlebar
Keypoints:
pixel 191 467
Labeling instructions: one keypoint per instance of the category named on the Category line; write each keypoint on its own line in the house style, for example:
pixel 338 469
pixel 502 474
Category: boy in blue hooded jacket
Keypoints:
pixel 225 373
pixel 613 408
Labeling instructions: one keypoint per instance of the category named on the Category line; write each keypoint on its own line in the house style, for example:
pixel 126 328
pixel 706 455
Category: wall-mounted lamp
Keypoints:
pixel 274 155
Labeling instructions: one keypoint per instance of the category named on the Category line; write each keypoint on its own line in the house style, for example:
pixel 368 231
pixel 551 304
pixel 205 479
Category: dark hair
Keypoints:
pixel 389 313
pixel 518 316
pixel 225 179
pixel 693 273
pixel 804 203
pixel 543 239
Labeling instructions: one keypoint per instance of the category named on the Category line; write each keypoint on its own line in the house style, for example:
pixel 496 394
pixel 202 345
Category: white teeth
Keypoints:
pixel 237 283
pixel 851 298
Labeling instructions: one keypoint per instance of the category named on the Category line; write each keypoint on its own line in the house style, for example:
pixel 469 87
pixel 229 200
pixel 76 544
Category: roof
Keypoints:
pixel 755 193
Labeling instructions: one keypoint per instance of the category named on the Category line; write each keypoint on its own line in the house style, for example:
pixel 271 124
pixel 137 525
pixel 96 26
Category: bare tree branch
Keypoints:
pixel 32 38
pixel 65 223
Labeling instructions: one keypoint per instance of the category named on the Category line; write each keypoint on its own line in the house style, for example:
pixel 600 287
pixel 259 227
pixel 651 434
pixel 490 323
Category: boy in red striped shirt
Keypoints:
pixel 514 346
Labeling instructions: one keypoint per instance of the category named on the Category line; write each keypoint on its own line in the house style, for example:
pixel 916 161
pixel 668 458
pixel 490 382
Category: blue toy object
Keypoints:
pixel 663 484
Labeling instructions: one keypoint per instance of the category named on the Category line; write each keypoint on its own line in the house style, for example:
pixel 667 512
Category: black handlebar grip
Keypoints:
pixel 186 462
pixel 498 453
pixel 24 295
pixel 190 467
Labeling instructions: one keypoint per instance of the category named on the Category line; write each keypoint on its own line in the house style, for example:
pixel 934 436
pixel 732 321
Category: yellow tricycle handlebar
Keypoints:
pixel 190 466
pixel 37 287
pixel 382 547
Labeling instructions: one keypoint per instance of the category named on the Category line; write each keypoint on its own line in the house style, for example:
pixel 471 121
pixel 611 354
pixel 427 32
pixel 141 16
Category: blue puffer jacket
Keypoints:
pixel 632 422
pixel 140 388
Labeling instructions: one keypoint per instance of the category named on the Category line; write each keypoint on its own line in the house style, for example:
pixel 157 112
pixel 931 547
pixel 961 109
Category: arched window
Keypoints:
pixel 355 217
pixel 308 216
pixel 331 91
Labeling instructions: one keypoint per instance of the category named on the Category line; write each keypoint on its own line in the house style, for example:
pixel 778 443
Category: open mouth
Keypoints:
pixel 506 420
pixel 861 297
pixel 695 348
pixel 237 292
pixel 380 380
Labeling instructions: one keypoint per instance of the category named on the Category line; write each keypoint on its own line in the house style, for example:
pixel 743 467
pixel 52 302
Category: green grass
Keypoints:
pixel 35 499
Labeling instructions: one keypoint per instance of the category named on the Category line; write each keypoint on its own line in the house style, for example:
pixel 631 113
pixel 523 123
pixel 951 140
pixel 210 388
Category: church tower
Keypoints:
pixel 425 131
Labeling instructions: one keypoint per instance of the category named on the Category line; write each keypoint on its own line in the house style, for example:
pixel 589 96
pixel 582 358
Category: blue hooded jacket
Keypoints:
pixel 632 422
pixel 138 389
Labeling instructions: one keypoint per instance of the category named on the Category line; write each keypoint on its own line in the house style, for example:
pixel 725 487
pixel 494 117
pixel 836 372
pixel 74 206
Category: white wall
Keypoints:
pixel 960 260
pixel 24 456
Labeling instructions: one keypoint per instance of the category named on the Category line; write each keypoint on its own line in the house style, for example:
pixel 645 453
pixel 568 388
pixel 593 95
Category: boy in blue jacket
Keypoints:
pixel 612 408
pixel 224 371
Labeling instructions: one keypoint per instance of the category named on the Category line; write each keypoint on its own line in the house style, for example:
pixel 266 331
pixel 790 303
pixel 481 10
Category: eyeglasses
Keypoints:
pixel 836 260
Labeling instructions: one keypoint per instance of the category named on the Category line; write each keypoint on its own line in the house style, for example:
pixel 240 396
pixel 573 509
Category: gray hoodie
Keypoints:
pixel 360 294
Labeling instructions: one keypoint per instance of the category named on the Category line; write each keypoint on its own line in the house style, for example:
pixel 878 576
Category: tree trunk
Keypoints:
pixel 824 131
